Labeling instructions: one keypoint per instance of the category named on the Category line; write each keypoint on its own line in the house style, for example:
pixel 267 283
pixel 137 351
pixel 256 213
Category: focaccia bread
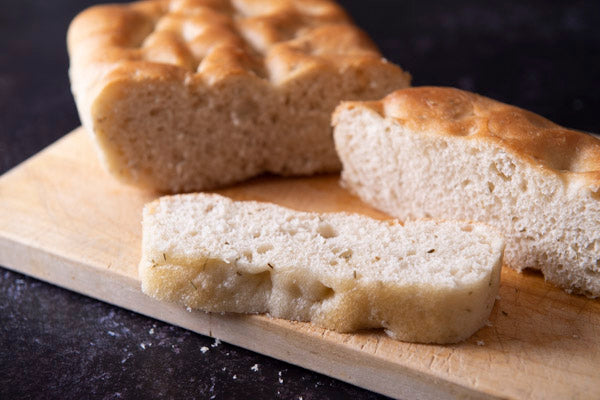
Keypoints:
pixel 183 95
pixel 431 282
pixel 446 153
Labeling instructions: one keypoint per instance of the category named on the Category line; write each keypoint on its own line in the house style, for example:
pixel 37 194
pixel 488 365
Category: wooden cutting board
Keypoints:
pixel 65 221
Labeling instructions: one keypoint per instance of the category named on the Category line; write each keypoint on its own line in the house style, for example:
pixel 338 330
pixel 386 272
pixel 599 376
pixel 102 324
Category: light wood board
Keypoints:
pixel 65 221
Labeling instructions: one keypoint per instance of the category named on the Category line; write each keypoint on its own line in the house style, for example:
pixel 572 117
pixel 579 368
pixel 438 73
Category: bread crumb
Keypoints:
pixel 188 309
pixel 234 377
pixel 216 343
pixel 111 333
pixel 151 331
pixel 204 349
pixel 254 368
pixel 143 346
pixel 480 343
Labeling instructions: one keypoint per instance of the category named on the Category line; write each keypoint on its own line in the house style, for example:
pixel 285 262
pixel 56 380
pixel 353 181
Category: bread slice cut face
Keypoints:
pixel 426 281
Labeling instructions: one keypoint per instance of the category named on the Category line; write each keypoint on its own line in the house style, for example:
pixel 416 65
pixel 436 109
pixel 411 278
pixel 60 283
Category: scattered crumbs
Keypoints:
pixel 505 313
pixel 216 343
pixel 234 377
pixel 488 323
pixel 151 331
pixel 204 349
pixel 255 366
pixel 224 369
pixel 280 379
pixel 213 397
pixel 176 349
pixel 143 346
pixel 498 298
pixel 188 309
pixel 127 356
pixel 480 343
pixel 111 333
pixel 300 398
pixel 576 336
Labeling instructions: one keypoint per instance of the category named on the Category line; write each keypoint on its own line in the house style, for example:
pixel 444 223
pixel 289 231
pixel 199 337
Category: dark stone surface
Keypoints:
pixel 544 56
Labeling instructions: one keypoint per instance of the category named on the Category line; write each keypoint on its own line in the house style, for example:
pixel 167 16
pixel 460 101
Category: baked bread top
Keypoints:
pixel 453 112
pixel 205 41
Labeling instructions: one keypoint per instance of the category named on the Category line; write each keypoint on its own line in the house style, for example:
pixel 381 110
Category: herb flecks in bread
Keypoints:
pixel 186 95
pixel 445 153
pixel 340 271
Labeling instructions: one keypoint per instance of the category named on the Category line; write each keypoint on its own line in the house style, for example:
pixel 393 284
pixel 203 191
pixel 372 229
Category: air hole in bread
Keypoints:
pixel 491 187
pixel 347 254
pixel 263 248
pixel 593 272
pixel 466 228
pixel 248 255
pixel 326 293
pixel 494 168
pixel 294 290
pixel 326 231
pixel 523 185
pixel 466 182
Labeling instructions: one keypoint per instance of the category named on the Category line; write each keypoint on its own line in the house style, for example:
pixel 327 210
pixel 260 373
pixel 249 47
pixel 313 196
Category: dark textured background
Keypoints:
pixel 544 56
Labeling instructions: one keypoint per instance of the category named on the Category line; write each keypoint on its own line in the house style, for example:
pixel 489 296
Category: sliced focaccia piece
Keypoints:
pixel 431 282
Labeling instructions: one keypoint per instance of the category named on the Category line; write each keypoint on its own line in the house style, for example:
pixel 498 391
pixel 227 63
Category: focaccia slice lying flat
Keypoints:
pixel 431 282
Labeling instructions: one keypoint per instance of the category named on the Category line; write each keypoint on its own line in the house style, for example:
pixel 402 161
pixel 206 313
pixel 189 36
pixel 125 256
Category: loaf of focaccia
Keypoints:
pixel 446 153
pixel 183 95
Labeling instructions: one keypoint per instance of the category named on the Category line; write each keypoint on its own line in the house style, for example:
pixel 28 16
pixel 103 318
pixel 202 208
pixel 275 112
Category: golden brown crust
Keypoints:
pixel 453 112
pixel 215 39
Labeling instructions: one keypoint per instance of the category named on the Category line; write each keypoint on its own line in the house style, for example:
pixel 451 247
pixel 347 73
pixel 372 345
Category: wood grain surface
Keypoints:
pixel 65 221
